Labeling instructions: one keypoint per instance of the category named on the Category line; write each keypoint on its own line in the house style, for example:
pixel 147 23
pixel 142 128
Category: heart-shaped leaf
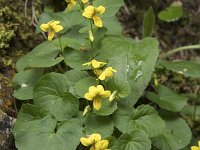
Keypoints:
pixel 24 82
pixel 51 93
pixel 145 118
pixel 33 131
pixel 98 124
pixel 136 140
pixel 177 134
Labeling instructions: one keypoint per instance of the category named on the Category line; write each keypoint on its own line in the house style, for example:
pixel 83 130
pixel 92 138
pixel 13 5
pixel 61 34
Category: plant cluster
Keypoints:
pixel 84 83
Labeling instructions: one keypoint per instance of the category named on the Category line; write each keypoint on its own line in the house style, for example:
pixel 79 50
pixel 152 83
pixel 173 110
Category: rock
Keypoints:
pixel 6 137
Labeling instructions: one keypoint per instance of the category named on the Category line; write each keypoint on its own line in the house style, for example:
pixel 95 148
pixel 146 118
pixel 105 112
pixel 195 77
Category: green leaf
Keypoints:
pixel 98 124
pixel 67 19
pixel 23 83
pixel 177 134
pixel 72 77
pixel 75 59
pixel 51 93
pixel 28 113
pixel 112 25
pixel 83 85
pixel 143 118
pixel 167 99
pixel 171 14
pixel 68 42
pixel 149 22
pixel 107 108
pixel 48 134
pixel 136 140
pixel 112 6
pixel 187 68
pixel 80 38
pixel 134 61
pixel 122 87
pixel 44 55
pixel 190 109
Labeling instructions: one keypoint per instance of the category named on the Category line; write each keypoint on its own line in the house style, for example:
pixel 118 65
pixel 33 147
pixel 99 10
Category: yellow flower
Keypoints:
pixel 51 27
pixel 102 145
pixel 196 147
pixel 95 94
pixel 91 12
pixel 84 1
pixel 108 72
pixel 94 140
pixel 70 4
pixel 95 64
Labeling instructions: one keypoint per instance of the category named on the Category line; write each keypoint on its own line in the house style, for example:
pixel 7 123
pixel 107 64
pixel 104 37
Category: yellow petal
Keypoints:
pixel 100 89
pixel 51 34
pixel 89 11
pixel 108 73
pixel 57 28
pixel 89 96
pixel 85 141
pixel 102 145
pixel 95 64
pixel 199 144
pixel 50 22
pixel 97 72
pixel 44 27
pixel 194 148
pixel 100 10
pixel 84 1
pixel 97 21
pixel 97 103
pixel 93 89
pixel 105 94
pixel 102 76
pixel 53 23
pixel 94 138
pixel 69 6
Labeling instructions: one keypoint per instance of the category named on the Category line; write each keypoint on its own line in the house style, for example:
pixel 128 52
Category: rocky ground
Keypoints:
pixel 17 37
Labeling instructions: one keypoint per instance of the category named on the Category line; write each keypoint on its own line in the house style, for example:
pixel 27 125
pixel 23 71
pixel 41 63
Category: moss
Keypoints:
pixel 5 36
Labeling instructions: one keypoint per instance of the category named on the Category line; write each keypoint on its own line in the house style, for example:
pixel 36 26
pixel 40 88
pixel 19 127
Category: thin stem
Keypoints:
pixel 60 68
pixel 61 49
pixel 194 112
pixel 81 5
pixel 180 49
